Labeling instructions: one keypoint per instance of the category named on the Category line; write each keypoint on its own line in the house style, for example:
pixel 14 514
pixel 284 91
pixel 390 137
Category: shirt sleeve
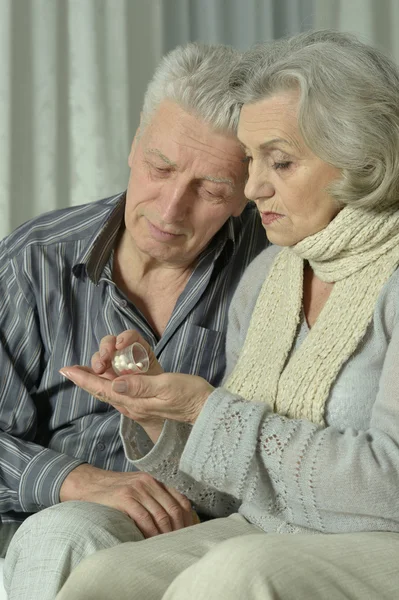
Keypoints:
pixel 30 475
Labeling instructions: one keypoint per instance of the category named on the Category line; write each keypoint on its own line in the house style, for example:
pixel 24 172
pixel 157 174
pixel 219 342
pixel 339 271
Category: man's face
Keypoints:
pixel 185 181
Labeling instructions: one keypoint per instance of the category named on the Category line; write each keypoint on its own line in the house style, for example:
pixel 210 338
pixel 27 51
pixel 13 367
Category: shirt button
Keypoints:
pixel 123 303
pixel 101 446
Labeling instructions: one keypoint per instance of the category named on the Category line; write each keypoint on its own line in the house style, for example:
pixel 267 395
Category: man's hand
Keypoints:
pixel 101 365
pixel 101 360
pixel 154 507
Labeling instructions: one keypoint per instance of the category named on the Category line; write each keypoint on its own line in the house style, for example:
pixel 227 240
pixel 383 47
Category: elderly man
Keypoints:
pixel 163 258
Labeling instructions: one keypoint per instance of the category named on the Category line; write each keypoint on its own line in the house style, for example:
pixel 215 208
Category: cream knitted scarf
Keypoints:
pixel 359 250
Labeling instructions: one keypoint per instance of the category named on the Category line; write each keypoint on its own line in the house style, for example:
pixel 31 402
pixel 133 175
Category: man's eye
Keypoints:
pixel 282 165
pixel 216 198
pixel 210 194
pixel 162 171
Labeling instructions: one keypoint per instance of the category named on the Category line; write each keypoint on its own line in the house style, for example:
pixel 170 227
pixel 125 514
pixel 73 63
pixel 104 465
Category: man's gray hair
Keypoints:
pixel 348 109
pixel 196 77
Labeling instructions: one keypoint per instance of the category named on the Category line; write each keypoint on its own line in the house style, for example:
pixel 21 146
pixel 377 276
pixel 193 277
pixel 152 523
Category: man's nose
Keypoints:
pixel 176 203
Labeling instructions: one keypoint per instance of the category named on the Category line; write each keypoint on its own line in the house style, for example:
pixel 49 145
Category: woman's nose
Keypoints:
pixel 258 185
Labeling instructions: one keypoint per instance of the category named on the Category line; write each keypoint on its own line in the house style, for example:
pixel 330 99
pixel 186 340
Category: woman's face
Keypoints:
pixel 286 180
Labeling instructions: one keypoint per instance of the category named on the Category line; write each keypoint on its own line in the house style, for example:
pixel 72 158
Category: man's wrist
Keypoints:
pixel 75 483
pixel 50 469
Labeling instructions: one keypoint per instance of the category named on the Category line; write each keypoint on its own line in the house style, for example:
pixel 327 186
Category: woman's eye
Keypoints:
pixel 282 165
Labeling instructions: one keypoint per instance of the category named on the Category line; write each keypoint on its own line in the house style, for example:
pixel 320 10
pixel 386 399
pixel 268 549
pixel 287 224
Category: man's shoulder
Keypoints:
pixel 72 224
pixel 249 233
pixel 249 216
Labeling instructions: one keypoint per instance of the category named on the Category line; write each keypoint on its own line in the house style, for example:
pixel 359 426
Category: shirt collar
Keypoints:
pixel 98 250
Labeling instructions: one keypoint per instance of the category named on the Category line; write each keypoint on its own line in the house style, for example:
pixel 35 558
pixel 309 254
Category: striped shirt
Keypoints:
pixel 57 301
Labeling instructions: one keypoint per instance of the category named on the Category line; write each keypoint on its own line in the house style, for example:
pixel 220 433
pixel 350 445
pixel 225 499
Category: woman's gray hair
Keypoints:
pixel 348 109
pixel 196 77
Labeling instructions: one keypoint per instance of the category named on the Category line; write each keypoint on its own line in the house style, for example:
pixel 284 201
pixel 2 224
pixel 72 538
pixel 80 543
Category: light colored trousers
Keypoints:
pixel 217 560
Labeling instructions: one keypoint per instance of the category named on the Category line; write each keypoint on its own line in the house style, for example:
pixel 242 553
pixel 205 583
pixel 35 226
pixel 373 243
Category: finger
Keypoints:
pixel 130 336
pixel 95 385
pixel 97 364
pixel 125 338
pixel 145 395
pixel 101 388
pixel 142 518
pixel 149 387
pixel 107 349
pixel 102 368
pixel 185 505
pixel 177 509
pixel 150 510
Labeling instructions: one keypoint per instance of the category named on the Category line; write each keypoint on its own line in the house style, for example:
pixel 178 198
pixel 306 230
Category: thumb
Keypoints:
pixel 135 386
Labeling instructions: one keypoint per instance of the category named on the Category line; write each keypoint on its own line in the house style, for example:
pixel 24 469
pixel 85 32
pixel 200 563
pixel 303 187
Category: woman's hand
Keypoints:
pixel 148 398
pixel 145 398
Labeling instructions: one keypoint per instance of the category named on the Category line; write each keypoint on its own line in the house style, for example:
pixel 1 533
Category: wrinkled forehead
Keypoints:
pixel 182 140
pixel 273 120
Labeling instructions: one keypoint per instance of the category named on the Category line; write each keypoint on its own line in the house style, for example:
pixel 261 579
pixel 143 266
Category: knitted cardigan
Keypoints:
pixel 285 474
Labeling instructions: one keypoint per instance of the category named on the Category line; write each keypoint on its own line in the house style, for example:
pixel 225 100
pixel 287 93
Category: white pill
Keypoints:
pixel 131 366
pixel 139 365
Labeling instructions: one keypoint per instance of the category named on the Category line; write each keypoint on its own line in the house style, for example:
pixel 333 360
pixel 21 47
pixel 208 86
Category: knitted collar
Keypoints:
pixel 358 251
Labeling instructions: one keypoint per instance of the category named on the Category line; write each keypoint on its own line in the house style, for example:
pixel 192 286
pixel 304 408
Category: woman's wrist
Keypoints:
pixel 153 429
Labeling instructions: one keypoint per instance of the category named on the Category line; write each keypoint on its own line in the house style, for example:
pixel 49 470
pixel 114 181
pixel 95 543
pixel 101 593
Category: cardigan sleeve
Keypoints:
pixel 327 479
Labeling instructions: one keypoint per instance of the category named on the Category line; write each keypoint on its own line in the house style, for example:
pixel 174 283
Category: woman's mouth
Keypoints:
pixel 270 217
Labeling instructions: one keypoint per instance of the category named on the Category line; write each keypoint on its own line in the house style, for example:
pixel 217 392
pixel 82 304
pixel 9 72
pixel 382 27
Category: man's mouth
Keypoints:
pixel 161 234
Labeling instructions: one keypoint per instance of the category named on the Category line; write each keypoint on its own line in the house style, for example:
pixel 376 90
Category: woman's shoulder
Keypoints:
pixel 259 268
pixel 388 300
pixel 253 278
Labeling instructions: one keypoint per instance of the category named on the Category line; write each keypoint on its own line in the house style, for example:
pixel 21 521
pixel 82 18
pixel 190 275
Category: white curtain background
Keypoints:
pixel 72 77
pixel 375 22
pixel 73 74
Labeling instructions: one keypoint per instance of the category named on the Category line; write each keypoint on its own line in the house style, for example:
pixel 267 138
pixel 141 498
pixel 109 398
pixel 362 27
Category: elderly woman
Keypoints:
pixel 303 436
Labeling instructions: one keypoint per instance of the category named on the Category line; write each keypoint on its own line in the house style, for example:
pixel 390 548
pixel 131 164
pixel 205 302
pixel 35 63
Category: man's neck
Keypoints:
pixel 152 286
pixel 132 264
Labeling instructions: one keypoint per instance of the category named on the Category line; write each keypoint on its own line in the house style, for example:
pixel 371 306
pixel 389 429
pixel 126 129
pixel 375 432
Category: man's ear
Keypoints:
pixel 137 135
